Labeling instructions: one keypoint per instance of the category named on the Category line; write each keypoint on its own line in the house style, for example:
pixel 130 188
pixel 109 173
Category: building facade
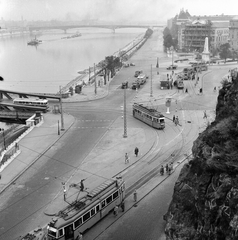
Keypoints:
pixel 233 34
pixel 192 31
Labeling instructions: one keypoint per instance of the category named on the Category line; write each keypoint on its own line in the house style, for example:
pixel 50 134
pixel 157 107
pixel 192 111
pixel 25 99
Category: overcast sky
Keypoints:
pixel 112 10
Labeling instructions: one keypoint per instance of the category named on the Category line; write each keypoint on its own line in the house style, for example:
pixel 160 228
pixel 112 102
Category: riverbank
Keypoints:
pixel 91 74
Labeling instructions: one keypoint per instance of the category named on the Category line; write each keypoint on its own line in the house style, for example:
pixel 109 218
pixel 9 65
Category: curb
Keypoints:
pixel 28 166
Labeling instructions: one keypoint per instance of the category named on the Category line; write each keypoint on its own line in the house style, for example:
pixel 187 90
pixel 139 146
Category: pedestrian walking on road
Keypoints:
pixel 171 166
pixel 116 210
pixel 123 206
pixel 169 170
pixel 174 118
pixel 136 151
pixel 126 158
pixel 167 167
pixel 162 170
pixel 205 114
pixel 135 195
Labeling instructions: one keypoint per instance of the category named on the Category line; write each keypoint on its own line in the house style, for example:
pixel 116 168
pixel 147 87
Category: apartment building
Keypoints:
pixel 233 33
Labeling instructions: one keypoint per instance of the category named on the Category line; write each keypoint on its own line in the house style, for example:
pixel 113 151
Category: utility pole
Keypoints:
pixel 95 80
pixel 125 123
pixel 151 90
pixel 61 111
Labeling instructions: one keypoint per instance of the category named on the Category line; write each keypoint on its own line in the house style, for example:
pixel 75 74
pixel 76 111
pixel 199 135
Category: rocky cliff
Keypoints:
pixel 205 199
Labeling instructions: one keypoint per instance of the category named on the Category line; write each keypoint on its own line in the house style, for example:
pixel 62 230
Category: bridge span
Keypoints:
pixel 66 27
pixel 11 112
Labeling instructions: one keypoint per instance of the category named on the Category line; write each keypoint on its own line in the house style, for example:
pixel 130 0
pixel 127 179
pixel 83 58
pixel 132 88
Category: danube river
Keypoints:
pixel 55 62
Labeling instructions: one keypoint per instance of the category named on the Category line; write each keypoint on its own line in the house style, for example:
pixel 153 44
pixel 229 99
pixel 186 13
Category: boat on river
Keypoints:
pixel 34 41
pixel 73 36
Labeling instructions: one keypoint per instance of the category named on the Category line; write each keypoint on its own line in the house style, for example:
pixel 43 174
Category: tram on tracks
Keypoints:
pixel 149 116
pixel 87 211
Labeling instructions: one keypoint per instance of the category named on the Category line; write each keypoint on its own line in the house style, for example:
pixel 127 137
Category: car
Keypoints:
pixel 132 64
pixel 124 85
pixel 172 67
pixel 135 85
pixel 137 73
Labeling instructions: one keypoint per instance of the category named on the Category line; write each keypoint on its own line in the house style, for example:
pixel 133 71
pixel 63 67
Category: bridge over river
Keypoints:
pixel 108 26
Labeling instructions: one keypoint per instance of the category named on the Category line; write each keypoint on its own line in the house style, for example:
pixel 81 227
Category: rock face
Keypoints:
pixel 205 199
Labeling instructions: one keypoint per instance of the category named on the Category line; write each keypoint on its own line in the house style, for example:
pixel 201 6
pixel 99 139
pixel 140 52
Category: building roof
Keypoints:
pixel 199 21
pixel 220 24
pixel 183 15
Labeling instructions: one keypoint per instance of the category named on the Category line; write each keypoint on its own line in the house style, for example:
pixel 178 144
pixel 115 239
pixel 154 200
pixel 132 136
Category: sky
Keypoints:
pixel 112 10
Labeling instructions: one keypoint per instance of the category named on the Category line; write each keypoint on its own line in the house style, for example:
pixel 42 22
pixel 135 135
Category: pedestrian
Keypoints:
pixel 80 237
pixel 167 167
pixel 126 158
pixel 82 185
pixel 186 91
pixel 116 210
pixel 169 170
pixel 136 151
pixel 16 146
pixel 123 206
pixel 135 195
pixel 205 114
pixel 171 166
pixel 162 170
pixel 174 118
pixel 214 89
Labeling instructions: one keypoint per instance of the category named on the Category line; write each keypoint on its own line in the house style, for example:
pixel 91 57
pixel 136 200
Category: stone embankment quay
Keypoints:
pixel 85 78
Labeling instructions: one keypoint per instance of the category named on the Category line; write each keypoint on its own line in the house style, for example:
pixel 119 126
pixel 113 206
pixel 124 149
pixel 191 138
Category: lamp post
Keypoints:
pixel 125 123
pixel 58 128
pixel 61 111
pixel 151 89
pixel 172 52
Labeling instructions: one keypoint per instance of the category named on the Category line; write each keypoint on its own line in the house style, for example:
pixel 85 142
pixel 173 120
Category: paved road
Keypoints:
pixel 28 196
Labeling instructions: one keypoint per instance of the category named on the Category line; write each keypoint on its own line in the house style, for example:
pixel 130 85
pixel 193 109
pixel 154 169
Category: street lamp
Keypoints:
pixel 125 123
pixel 151 89
pixel 61 110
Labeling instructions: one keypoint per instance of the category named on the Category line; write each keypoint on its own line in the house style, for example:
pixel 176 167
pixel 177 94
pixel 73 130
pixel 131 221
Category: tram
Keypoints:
pixel 87 211
pixel 149 116
pixel 34 102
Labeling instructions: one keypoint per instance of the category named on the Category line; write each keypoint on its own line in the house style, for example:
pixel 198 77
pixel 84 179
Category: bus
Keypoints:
pixel 87 211
pixel 149 116
pixel 34 102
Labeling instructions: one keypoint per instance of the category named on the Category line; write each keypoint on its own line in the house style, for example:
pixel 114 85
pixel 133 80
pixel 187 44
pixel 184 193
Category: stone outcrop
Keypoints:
pixel 205 199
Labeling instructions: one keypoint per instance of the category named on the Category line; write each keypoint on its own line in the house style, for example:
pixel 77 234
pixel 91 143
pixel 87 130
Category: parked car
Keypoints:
pixel 132 64
pixel 137 73
pixel 126 65
pixel 172 67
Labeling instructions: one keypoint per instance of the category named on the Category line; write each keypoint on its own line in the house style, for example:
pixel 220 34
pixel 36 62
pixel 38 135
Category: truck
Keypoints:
pixel 142 79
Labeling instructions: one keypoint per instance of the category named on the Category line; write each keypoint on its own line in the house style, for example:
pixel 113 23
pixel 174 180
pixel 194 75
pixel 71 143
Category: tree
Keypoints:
pixel 112 63
pixel 168 39
pixel 225 51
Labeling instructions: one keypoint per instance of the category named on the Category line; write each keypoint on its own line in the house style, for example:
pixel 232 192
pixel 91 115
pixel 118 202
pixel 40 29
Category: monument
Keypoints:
pixel 206 53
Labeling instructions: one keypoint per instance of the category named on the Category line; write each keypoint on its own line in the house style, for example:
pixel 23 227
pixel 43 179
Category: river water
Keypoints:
pixel 55 62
